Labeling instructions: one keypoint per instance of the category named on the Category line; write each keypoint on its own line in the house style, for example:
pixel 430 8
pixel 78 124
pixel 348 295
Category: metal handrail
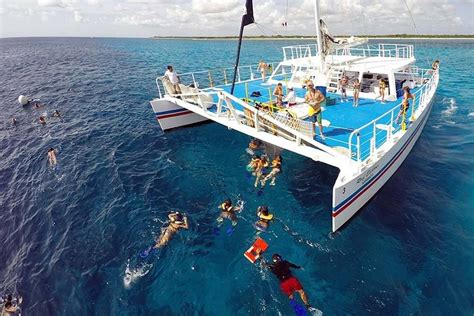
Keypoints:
pixel 420 100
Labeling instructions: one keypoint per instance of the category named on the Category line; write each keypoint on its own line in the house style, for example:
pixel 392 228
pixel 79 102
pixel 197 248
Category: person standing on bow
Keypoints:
pixel 314 98
pixel 405 105
pixel 173 78
pixel 262 67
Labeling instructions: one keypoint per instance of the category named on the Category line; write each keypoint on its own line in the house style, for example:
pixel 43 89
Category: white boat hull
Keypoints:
pixel 351 195
pixel 170 115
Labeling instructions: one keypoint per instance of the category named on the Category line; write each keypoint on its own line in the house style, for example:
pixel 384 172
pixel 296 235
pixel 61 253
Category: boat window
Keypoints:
pixel 370 81
pixel 404 79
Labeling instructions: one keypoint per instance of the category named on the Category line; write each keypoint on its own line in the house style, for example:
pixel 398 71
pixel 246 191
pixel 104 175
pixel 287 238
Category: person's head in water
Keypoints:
pixel 176 218
pixel 9 298
pixel 170 68
pixel 276 258
pixel 264 210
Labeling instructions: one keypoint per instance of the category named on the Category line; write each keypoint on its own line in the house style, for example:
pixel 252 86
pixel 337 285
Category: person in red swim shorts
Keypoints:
pixel 288 283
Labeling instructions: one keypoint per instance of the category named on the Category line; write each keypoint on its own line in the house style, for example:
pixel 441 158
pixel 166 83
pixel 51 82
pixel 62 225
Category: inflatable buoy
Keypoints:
pixel 23 100
pixel 254 252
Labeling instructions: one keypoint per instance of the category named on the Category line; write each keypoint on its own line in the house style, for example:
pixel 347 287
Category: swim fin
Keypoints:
pixel 146 252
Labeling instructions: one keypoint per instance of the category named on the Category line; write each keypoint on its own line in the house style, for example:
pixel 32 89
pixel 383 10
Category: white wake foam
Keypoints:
pixel 132 275
pixel 452 107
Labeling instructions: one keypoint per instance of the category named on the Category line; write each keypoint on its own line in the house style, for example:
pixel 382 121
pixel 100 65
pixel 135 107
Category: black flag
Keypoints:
pixel 247 19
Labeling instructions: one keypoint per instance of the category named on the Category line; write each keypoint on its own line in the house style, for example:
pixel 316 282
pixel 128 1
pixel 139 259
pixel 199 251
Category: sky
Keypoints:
pixel 146 18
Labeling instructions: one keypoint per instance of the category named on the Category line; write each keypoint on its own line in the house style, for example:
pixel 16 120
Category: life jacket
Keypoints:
pixel 265 218
pixel 226 208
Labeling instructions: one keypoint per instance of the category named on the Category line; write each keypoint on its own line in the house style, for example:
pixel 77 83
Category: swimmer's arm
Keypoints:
pixel 185 225
pixel 294 266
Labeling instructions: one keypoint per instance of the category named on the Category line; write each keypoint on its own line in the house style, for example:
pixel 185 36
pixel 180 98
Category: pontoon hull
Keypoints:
pixel 170 115
pixel 352 195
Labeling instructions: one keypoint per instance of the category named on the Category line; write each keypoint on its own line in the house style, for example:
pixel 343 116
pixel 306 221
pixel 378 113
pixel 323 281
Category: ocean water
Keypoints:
pixel 69 235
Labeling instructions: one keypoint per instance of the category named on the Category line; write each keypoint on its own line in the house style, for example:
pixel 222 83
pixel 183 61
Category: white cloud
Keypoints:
pixel 78 16
pixel 222 17
pixel 51 3
pixel 214 6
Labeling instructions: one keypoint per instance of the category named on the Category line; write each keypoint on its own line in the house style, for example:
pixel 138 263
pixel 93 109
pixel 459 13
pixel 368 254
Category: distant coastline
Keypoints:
pixel 301 37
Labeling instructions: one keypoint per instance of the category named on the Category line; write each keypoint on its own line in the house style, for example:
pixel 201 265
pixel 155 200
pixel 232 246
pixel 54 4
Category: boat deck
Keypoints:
pixel 344 118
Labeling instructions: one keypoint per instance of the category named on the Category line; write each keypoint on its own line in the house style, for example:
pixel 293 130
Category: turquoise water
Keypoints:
pixel 68 234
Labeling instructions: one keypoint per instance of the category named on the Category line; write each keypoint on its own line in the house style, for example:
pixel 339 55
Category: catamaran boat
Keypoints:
pixel 366 143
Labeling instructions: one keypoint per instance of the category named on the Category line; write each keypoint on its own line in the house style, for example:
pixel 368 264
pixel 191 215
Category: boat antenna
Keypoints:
pixel 247 19
pixel 320 35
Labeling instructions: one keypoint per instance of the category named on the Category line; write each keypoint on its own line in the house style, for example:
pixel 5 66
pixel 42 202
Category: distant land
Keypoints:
pixel 278 37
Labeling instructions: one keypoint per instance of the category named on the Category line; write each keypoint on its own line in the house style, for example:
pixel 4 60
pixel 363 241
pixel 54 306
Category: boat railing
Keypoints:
pixel 215 77
pixel 299 51
pixel 380 50
pixel 373 135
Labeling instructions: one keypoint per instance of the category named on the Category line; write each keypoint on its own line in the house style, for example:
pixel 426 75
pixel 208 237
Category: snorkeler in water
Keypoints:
pixel 11 305
pixel 276 169
pixel 57 114
pixel 228 211
pixel 264 218
pixel 177 221
pixel 261 165
pixel 52 156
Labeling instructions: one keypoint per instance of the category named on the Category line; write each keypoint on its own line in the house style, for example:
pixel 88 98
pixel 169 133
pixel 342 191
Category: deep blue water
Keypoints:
pixel 68 234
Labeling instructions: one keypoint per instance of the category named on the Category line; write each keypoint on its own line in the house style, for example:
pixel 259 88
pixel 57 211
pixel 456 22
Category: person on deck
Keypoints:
pixel 435 64
pixel 174 79
pixel 314 98
pixel 355 93
pixel 276 169
pixel 278 93
pixel 405 105
pixel 343 82
pixel 228 211
pixel 262 67
pixel 290 98
pixel 288 283
pixel 177 221
pixel 382 87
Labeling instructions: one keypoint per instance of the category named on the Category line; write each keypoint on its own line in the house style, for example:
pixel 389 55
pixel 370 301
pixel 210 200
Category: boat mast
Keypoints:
pixel 247 19
pixel 320 37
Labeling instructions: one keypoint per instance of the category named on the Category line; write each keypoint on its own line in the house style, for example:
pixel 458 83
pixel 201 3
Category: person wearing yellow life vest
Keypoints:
pixel 276 169
pixel 264 218
pixel 228 211
pixel 315 98
pixel 261 165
